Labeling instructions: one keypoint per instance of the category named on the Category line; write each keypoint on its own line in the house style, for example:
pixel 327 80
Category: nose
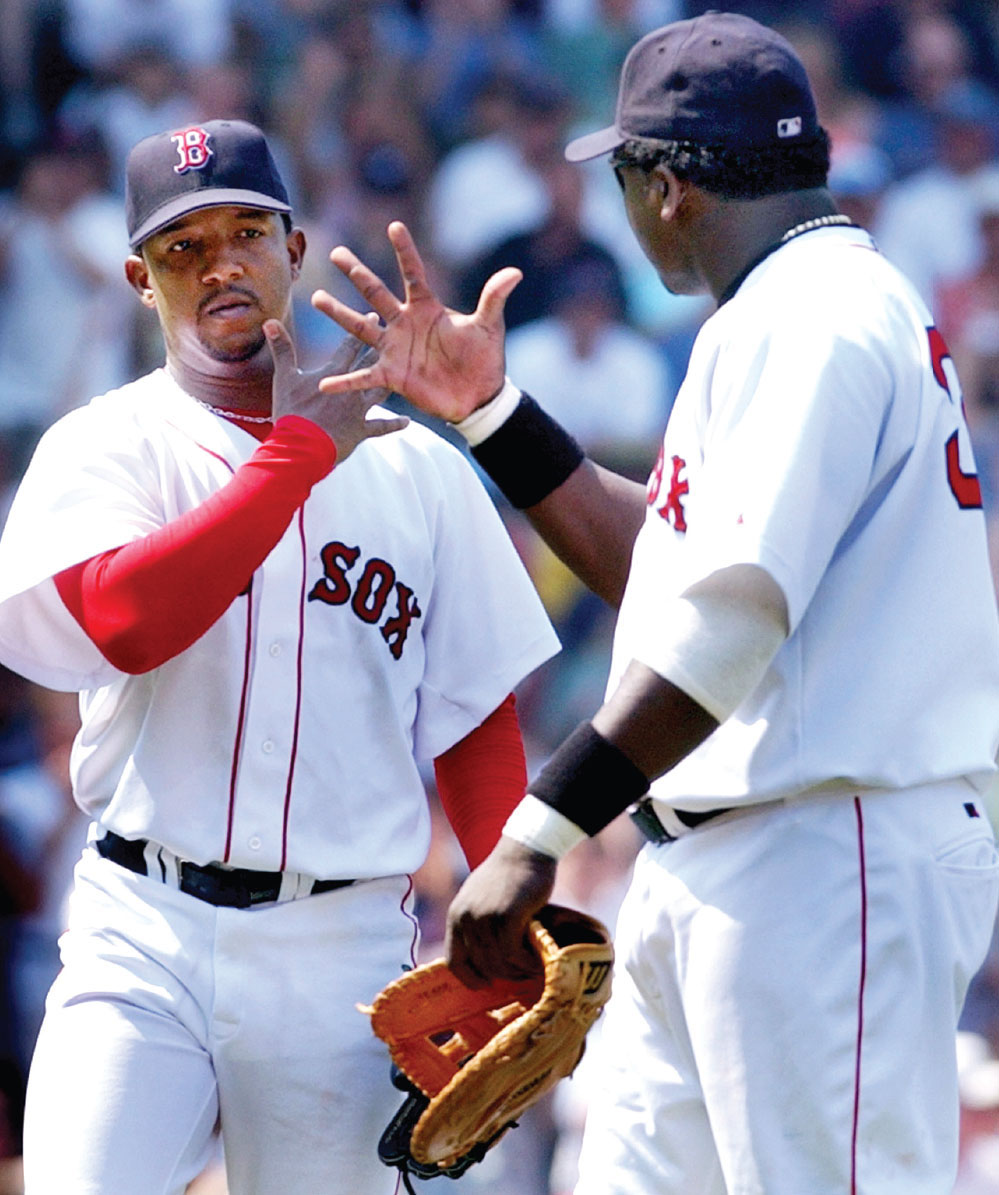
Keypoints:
pixel 222 264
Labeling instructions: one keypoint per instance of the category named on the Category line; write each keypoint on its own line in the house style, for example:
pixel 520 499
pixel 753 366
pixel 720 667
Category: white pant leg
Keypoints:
pixel 120 1099
pixel 171 1013
pixel 816 953
pixel 121 1093
pixel 646 1127
pixel 304 1085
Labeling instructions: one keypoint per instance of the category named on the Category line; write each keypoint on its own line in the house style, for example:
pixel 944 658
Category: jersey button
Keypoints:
pixel 254 843
pixel 267 746
pixel 275 649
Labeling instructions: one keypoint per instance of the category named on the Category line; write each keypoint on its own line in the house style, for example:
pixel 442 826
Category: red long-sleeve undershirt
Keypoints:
pixel 150 599
pixel 145 602
pixel 481 779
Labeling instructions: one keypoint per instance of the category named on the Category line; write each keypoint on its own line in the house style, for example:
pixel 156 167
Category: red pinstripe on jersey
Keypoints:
pixel 237 745
pixel 145 602
pixel 298 690
pixel 861 989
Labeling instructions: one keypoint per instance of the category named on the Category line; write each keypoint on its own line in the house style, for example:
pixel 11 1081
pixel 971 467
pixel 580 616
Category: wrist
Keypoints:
pixel 589 780
pixel 304 441
pixel 527 454
pixel 542 829
pixel 488 418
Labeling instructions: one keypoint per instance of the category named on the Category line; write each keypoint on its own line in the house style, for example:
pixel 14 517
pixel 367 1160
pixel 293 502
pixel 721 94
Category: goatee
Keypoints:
pixel 237 354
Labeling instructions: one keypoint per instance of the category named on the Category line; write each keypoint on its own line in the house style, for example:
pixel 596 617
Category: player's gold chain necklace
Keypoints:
pixel 234 414
pixel 817 222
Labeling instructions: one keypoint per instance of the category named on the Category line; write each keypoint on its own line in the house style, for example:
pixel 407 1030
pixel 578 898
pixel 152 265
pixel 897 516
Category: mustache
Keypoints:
pixel 223 293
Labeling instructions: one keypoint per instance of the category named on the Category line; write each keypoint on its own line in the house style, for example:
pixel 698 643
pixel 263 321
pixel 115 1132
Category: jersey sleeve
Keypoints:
pixel 146 601
pixel 90 486
pixel 486 629
pixel 791 452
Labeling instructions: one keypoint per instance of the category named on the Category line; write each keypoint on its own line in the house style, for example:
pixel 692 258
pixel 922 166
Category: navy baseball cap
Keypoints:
pixel 721 79
pixel 213 164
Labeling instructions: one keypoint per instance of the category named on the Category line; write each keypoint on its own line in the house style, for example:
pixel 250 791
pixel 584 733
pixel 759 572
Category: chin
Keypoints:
pixel 236 351
pixel 682 284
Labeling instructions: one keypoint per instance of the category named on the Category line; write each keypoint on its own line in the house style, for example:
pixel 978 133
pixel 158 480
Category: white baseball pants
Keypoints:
pixel 171 1015
pixel 788 987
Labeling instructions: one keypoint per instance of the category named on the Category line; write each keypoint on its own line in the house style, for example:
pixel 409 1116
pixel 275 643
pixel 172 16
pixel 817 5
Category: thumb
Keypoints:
pixel 384 427
pixel 495 293
pixel 280 345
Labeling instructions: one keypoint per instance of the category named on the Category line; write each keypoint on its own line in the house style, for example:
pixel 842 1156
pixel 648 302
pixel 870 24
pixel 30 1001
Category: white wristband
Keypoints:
pixel 536 825
pixel 482 422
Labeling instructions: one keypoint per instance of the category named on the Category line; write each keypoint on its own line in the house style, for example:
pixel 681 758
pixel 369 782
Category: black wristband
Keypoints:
pixel 529 455
pixel 589 780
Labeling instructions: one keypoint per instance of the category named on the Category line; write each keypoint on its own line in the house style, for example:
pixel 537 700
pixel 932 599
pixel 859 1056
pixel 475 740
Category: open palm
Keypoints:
pixel 444 362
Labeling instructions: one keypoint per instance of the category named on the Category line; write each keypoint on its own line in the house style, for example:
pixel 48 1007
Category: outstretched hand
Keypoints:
pixel 343 415
pixel 445 363
pixel 487 922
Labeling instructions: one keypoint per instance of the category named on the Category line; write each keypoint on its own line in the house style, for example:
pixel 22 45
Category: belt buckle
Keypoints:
pixel 647 820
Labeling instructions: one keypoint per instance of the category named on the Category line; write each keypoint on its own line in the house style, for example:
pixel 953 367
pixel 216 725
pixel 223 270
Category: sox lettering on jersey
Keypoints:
pixel 193 148
pixel 369 597
pixel 672 509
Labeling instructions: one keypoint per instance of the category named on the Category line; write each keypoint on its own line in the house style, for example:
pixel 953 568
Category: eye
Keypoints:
pixel 179 246
pixel 252 233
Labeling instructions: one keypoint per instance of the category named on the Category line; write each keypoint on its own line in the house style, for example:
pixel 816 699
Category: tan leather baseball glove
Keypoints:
pixel 473 1060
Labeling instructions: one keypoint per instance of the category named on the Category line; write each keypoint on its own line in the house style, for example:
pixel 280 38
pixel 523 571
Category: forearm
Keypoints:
pixel 149 600
pixel 588 515
pixel 714 648
pixel 590 523
pixel 652 721
pixel 645 728
pixel 480 780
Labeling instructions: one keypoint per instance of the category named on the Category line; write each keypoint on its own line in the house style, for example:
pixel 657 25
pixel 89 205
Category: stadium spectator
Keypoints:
pixel 546 253
pixel 64 327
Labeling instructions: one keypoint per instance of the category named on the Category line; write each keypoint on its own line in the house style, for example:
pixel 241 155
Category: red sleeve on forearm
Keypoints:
pixel 480 780
pixel 147 601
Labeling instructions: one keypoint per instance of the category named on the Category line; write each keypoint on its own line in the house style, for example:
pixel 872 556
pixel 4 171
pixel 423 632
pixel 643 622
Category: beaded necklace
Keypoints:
pixel 798 230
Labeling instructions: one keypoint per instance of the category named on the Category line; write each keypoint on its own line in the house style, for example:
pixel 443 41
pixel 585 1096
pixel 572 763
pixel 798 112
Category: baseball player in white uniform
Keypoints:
pixel 803 702
pixel 269 630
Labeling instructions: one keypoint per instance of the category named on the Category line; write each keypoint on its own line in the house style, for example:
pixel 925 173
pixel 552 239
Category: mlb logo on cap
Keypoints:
pixel 791 127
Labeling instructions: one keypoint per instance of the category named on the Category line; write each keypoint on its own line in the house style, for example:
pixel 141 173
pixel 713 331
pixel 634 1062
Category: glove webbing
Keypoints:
pixel 393 1148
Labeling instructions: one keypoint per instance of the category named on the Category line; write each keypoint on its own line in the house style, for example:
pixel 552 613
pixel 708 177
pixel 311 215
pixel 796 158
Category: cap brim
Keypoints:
pixel 592 145
pixel 194 201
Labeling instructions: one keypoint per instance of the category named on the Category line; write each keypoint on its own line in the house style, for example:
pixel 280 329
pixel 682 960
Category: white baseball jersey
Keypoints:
pixel 390 619
pixel 819 434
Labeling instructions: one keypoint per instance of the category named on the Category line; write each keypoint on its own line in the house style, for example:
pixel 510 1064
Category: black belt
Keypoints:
pixel 647 820
pixel 231 888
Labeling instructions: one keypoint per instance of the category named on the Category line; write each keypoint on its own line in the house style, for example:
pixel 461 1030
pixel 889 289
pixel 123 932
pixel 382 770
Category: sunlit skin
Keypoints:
pixel 220 281
pixel 655 203
pixel 214 277
pixel 449 364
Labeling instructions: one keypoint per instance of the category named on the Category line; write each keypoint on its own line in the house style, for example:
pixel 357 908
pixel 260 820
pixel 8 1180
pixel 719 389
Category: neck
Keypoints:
pixel 240 387
pixel 736 233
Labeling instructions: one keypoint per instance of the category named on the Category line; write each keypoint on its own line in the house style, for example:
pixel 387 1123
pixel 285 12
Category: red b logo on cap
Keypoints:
pixel 192 145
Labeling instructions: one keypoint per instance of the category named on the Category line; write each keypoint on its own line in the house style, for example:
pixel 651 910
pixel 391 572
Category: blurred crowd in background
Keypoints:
pixel 452 115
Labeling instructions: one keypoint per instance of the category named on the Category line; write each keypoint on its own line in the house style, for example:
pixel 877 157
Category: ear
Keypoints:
pixel 667 191
pixel 296 251
pixel 137 273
